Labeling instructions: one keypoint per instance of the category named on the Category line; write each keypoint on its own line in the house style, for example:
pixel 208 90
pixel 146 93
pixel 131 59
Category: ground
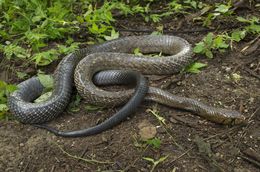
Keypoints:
pixel 189 142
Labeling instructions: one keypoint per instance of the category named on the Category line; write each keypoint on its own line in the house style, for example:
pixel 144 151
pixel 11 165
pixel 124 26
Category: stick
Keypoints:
pixel 91 161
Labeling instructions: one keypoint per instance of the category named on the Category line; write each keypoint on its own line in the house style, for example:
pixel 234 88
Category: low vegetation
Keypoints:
pixel 41 32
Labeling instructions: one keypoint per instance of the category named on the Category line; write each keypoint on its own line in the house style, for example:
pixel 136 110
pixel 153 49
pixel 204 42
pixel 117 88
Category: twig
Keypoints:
pixel 83 153
pixel 180 156
pixel 252 72
pixel 251 46
pixel 184 121
pixel 241 4
pixel 91 161
pixel 252 154
pixel 250 160
pixel 53 168
pixel 253 114
pixel 222 133
pixel 187 151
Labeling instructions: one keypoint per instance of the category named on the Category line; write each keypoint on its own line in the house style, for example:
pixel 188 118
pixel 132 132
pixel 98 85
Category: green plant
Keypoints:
pixel 155 142
pixel 195 67
pixel 31 23
pixel 211 42
pixel 46 57
pixel 47 81
pixel 21 75
pixel 92 108
pixel 154 112
pixel 223 41
pixel 214 12
pixel 12 50
pixel 113 35
pixel 155 162
pixel 99 19
pixel 5 90
pixel 74 104
pixel 156 17
pixel 253 24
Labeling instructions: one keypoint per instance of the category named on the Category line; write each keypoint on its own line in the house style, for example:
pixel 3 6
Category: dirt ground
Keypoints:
pixel 189 142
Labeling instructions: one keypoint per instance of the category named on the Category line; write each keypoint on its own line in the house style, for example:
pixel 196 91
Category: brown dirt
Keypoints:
pixel 25 148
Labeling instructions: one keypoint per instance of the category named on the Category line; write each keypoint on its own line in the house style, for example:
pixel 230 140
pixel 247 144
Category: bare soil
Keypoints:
pixel 189 142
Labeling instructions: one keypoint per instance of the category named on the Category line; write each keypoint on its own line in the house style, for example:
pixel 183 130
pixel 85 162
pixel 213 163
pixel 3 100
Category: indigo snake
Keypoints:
pixel 114 55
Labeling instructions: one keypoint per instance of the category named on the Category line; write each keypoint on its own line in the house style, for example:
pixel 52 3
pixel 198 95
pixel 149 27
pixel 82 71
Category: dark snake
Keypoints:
pixel 114 55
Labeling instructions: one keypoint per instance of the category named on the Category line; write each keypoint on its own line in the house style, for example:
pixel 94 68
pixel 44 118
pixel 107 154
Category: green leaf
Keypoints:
pixel 209 54
pixel 74 104
pixel 62 49
pixel 43 97
pixel 3 110
pixel 21 75
pixel 199 48
pixel 3 107
pixel 2 85
pixel 222 8
pixel 242 19
pixel 137 52
pixel 46 80
pixel 195 67
pixel 162 159
pixel 46 57
pixel 208 39
pixel 113 35
pixel 148 159
pixel 219 42
pixel 91 108
pixel 238 35
pixel 13 50
pixel 253 28
pixel 155 142
pixel 10 88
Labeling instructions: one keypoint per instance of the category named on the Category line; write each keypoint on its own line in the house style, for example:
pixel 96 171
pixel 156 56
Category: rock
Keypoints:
pixel 146 130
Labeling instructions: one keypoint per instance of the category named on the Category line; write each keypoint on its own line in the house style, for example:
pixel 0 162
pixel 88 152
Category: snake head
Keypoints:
pixel 230 117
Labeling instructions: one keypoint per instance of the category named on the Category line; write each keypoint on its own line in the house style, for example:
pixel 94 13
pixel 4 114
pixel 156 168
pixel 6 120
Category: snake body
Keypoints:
pixel 115 54
pixel 109 78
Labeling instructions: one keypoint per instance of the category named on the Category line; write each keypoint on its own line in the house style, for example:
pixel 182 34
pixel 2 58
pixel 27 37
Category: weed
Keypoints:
pixel 195 67
pixel 21 75
pixel 46 57
pixel 12 50
pixel 74 104
pixel 157 115
pixel 113 35
pixel 211 42
pixel 155 162
pixel 46 80
pixel 92 108
pixel 5 90
pixel 253 24
pixel 223 41
pixel 155 142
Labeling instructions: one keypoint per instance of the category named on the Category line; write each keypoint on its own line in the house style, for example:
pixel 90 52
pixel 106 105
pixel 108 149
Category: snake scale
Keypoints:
pixel 114 55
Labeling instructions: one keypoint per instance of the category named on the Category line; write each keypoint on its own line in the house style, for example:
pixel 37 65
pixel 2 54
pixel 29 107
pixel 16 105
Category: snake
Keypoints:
pixel 84 64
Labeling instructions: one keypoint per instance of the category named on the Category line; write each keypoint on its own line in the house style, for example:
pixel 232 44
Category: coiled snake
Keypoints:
pixel 111 55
